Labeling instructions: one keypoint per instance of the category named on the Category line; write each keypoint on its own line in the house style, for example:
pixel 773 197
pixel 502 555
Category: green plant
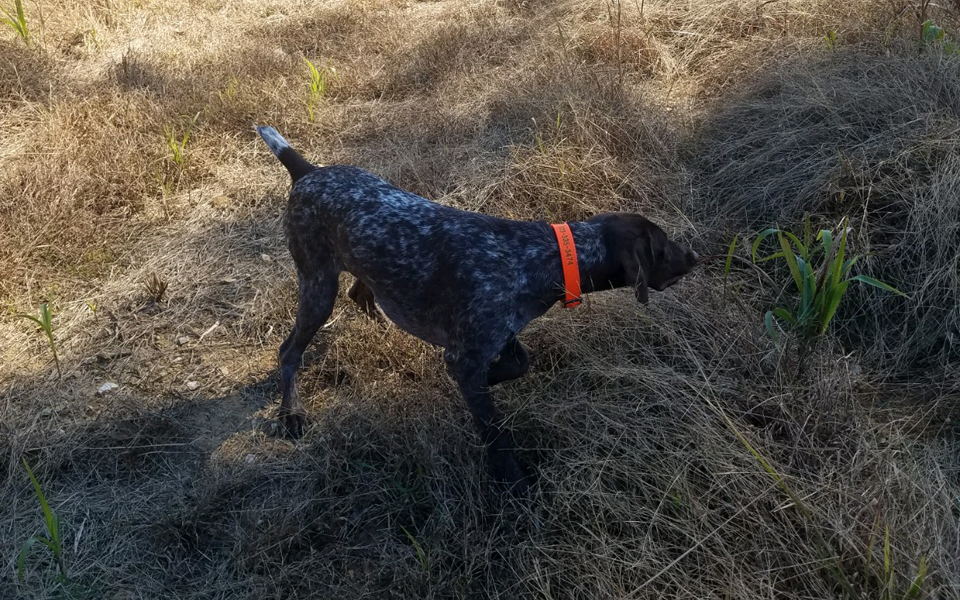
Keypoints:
pixel 318 85
pixel 94 308
pixel 45 322
pixel 178 144
pixel 18 21
pixel 51 540
pixel 820 286
pixel 931 35
pixel 831 39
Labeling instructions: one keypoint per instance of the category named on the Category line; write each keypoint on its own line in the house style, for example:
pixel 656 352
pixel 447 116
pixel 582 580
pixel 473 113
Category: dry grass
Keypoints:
pixel 715 117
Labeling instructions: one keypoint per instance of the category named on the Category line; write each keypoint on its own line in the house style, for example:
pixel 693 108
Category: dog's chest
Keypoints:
pixel 420 323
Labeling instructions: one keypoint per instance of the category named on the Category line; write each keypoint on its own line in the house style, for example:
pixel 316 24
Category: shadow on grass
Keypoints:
pixel 194 495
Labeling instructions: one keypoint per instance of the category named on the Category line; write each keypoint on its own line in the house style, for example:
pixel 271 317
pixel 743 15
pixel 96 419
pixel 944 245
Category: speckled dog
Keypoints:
pixel 460 280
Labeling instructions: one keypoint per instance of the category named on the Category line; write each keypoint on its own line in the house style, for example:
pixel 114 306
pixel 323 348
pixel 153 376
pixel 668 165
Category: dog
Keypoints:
pixel 464 281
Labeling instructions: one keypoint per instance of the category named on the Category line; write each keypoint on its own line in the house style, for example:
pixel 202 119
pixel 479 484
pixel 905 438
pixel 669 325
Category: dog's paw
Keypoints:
pixel 293 422
pixel 509 471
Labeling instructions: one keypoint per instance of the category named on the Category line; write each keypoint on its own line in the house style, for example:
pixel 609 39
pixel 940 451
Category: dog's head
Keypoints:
pixel 644 256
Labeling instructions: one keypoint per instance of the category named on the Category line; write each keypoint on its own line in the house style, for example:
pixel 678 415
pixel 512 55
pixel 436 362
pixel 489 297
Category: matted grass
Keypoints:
pixel 715 118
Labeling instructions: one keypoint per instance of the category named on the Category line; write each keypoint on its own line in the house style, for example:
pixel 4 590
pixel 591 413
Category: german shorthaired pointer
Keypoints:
pixel 460 280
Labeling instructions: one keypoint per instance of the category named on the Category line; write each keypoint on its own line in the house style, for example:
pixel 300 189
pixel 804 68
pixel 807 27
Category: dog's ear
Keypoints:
pixel 637 261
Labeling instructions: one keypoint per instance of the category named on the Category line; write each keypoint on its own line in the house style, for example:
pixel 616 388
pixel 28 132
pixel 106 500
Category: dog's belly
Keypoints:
pixel 430 332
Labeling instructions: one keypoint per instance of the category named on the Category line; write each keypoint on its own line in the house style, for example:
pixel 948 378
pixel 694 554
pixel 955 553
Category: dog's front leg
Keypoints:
pixel 471 374
pixel 512 364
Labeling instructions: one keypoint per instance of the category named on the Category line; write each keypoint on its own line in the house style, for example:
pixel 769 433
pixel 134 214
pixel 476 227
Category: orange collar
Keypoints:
pixel 568 257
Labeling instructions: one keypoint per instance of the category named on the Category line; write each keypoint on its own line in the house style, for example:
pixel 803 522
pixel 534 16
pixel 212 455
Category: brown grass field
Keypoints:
pixel 680 452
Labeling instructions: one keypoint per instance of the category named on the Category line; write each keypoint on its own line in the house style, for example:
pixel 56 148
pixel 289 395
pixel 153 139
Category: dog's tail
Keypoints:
pixel 295 164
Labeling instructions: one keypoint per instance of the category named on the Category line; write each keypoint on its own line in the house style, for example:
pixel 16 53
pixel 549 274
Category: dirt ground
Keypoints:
pixel 680 452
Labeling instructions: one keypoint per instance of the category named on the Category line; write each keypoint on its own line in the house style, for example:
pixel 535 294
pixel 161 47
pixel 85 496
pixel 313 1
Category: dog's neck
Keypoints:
pixel 597 270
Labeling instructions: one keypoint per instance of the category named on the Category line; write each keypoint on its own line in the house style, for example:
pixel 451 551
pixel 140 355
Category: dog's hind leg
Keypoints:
pixel 318 291
pixel 363 296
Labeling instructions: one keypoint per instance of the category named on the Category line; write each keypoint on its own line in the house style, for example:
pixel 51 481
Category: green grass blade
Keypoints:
pixel 887 566
pixel 846 265
pixel 825 278
pixel 315 79
pixel 808 286
pixel 781 483
pixel 917 586
pixel 878 284
pixel 32 318
pixel 837 270
pixel 45 322
pixel 802 249
pixel 810 283
pixel 756 243
pixel 726 267
pixel 831 305
pixel 785 315
pixel 791 261
pixel 186 134
pixel 820 298
pixel 18 21
pixel 22 556
pixel 421 555
pixel 771 327
pixel 313 69
pixel 825 237
pixel 53 526
pixel 771 257
pixel 46 316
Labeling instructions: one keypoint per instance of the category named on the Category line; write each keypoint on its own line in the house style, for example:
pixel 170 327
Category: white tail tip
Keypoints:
pixel 274 140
